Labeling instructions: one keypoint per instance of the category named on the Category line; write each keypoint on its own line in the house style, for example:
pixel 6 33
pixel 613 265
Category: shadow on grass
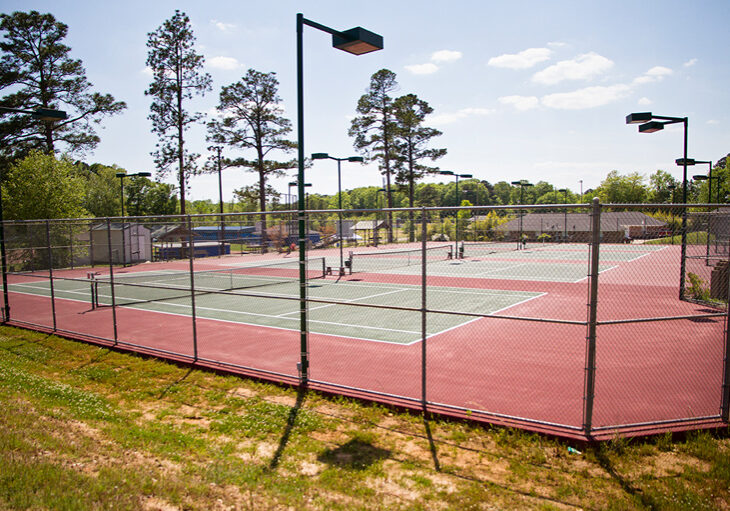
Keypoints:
pixel 171 385
pixel 355 455
pixel 431 443
pixel 624 482
pixel 290 421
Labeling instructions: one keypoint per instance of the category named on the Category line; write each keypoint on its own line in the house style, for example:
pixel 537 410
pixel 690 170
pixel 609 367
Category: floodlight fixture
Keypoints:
pixel 638 118
pixel 650 123
pixel 356 41
pixel 44 114
pixel 651 127
pixel 324 156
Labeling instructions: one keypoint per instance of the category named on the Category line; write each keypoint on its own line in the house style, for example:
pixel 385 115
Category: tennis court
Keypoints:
pixel 260 298
pixel 539 263
pixel 489 330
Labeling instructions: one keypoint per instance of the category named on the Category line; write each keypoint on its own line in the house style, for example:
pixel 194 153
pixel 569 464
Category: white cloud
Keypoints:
pixel 520 102
pixel 147 71
pixel 583 67
pixel 589 97
pixel 445 56
pixel 690 63
pixel 557 44
pixel 522 60
pixel 423 69
pixel 713 121
pixel 223 27
pixel 644 101
pixel 225 63
pixel 449 118
pixel 437 56
pixel 655 74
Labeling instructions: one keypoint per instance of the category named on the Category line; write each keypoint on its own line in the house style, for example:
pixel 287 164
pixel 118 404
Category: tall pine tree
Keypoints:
pixel 374 129
pixel 37 68
pixel 411 140
pixel 252 120
pixel 177 77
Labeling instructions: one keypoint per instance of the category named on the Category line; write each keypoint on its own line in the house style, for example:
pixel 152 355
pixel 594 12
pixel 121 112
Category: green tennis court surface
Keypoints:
pixel 537 263
pixel 344 319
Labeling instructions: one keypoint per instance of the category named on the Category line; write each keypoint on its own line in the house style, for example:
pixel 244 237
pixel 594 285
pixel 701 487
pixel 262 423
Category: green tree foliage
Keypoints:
pixel 37 70
pixel 411 141
pixel 252 120
pixel 177 77
pixel 618 189
pixel 428 195
pixel 39 186
pixel 502 193
pixel 375 129
pixel 475 191
pixel 249 196
pixel 144 197
pixel 662 187
pixel 101 189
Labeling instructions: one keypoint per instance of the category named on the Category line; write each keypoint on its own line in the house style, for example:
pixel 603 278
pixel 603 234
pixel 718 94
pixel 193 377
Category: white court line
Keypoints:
pixel 503 268
pixel 348 301
pixel 241 313
pixel 599 272
pixel 341 336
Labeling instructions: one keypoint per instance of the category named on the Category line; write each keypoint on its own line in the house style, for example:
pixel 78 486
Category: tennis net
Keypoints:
pixel 146 287
pixel 387 260
pixel 481 248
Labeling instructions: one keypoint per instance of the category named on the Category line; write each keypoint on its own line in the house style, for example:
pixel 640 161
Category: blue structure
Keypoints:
pixel 205 250
pixel 243 234
pixel 230 233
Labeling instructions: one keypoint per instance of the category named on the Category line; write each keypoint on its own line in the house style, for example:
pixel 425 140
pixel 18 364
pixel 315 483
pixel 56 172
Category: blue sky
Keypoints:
pixel 533 90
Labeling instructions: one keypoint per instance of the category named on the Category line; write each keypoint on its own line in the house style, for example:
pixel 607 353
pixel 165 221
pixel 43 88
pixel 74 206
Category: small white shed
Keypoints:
pixel 130 243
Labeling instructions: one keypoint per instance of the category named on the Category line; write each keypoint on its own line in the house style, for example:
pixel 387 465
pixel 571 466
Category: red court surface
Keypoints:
pixel 515 370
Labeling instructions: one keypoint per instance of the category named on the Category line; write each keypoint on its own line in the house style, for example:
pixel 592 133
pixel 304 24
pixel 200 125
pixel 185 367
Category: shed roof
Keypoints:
pixel 580 222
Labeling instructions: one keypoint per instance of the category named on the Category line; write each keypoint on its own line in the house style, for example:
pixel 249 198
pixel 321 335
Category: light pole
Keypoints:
pixel 708 177
pixel 650 123
pixel 581 190
pixel 219 168
pixel 324 156
pixel 357 41
pixel 565 221
pixel 458 204
pixel 522 184
pixel 121 176
pixel 376 231
pixel 43 114
pixel 295 183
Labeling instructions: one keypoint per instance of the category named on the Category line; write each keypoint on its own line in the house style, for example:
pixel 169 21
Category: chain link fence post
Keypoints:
pixel 590 365
pixel 50 272
pixel 191 258
pixel 725 404
pixel 111 278
pixel 424 334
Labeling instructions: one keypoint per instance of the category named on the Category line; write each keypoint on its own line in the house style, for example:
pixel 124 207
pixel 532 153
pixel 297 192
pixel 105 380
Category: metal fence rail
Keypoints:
pixel 582 320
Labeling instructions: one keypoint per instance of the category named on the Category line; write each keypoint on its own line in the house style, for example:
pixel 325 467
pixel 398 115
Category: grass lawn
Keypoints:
pixel 83 427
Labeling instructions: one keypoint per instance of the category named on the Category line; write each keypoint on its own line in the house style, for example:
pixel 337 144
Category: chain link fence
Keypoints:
pixel 579 320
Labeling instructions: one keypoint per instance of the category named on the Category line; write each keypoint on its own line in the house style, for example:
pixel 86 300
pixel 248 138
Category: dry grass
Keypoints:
pixel 83 427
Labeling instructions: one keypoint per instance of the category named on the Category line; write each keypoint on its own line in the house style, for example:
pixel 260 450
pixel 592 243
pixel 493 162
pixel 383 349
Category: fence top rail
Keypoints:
pixel 245 214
